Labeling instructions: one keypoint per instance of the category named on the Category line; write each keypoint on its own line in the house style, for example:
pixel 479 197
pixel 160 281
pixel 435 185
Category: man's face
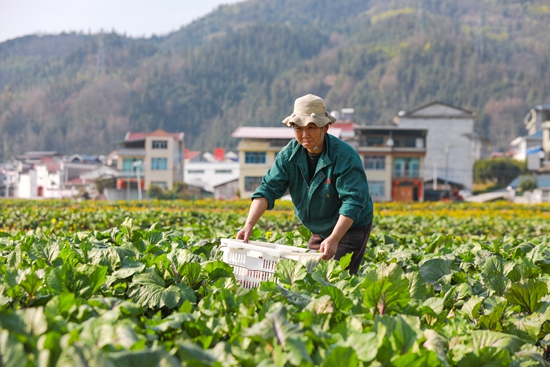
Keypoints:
pixel 310 136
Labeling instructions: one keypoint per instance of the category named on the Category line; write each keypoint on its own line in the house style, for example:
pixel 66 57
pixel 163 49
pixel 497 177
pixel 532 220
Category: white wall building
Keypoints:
pixel 452 145
pixel 209 174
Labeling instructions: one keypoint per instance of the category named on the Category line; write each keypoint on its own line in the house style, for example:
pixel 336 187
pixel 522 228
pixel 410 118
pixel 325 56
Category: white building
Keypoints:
pixel 452 145
pixel 210 174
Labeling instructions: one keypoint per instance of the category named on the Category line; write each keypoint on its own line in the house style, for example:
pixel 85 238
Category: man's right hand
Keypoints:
pixel 244 234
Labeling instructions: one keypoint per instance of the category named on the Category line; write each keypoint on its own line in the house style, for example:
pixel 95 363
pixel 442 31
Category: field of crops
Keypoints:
pixel 142 284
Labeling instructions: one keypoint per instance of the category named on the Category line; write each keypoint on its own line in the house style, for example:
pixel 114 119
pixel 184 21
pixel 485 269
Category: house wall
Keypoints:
pixel 254 170
pixel 380 176
pixel 167 175
pixel 446 133
pixel 211 173
pixel 49 181
pixel 546 139
pixel 27 185
pixel 227 190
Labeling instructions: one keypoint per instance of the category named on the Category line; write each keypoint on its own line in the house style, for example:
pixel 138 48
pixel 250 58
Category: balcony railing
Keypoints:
pixel 406 173
pixel 130 174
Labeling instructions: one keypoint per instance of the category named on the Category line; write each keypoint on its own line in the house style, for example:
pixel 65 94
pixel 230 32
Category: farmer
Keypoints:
pixel 327 184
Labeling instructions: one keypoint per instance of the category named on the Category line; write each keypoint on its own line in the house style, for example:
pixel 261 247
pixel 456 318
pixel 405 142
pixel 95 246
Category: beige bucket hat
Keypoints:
pixel 308 109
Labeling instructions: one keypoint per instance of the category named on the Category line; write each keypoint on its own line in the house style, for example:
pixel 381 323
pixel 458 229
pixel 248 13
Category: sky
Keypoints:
pixel 135 18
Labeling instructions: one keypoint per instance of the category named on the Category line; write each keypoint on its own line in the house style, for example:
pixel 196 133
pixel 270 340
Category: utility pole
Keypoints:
pixel 434 183
pixel 447 166
pixel 137 167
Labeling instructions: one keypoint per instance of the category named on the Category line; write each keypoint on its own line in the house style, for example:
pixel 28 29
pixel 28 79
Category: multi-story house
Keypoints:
pixel 257 150
pixel 452 146
pixel 150 158
pixel 531 147
pixel 393 159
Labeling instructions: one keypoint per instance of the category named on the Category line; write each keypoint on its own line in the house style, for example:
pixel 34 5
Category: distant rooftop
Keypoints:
pixel 159 132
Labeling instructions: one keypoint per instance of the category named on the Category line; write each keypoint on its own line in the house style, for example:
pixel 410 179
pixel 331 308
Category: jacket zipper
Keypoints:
pixel 307 184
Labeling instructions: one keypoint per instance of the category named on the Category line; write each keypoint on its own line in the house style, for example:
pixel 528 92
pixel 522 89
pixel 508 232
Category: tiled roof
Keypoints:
pixel 159 132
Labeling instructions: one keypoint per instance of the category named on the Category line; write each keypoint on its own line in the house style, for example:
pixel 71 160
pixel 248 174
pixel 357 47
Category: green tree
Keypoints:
pixel 527 183
pixel 499 171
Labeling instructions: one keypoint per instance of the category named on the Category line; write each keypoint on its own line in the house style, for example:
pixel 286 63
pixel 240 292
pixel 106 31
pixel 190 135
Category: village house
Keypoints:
pixel 216 173
pixel 150 158
pixel 452 146
pixel 393 159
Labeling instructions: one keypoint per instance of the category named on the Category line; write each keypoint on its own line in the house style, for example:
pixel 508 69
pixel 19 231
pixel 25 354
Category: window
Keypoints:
pixel 410 142
pixel 159 164
pixel 254 157
pixel 251 183
pixel 223 171
pixel 161 184
pixel 195 171
pixel 375 162
pixel 377 189
pixel 375 141
pixel 406 167
pixel 160 144
pixel 128 164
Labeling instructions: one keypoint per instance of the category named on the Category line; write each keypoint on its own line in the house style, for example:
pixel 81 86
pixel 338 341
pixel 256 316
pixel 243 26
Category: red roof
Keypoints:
pixel 190 154
pixel 345 126
pixel 159 132
pixel 53 167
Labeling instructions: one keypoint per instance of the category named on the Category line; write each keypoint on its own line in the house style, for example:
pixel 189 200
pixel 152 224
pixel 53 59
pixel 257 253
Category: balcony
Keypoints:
pixel 131 152
pixel 130 174
pixel 406 173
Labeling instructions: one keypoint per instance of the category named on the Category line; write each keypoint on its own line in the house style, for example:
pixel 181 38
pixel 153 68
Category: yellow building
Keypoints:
pixel 150 158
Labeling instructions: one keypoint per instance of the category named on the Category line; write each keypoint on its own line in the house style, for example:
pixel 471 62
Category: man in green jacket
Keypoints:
pixel 327 183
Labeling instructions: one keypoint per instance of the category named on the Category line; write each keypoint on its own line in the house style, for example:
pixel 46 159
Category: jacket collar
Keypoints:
pixel 298 156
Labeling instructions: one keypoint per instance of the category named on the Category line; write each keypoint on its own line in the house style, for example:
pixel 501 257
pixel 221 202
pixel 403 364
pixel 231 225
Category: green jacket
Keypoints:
pixel 339 185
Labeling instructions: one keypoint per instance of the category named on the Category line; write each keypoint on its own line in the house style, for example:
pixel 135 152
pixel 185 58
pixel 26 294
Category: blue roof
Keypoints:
pixel 533 150
pixel 543 181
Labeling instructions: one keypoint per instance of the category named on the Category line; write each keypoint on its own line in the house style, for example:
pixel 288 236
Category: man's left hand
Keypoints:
pixel 328 248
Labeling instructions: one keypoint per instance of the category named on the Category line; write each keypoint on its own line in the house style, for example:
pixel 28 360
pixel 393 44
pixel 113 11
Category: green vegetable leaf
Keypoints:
pixel 486 357
pixel 434 269
pixel 290 271
pixel 47 250
pixel 341 356
pixel 527 294
pixel 340 301
pixel 364 344
pixel 12 351
pixel 386 290
pixel 31 284
pixel 526 328
pixel 128 268
pixel 485 338
pixel 80 355
pixel 472 306
pixel 493 310
pixel 401 331
pixel 149 290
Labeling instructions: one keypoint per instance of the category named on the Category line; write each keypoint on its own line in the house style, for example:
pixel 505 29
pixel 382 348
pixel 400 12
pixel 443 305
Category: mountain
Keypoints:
pixel 245 63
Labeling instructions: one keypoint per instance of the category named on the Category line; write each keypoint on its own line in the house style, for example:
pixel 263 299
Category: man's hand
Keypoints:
pixel 257 208
pixel 328 248
pixel 330 244
pixel 245 233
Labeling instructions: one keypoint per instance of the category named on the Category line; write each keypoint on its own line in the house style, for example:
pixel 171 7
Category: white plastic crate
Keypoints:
pixel 256 261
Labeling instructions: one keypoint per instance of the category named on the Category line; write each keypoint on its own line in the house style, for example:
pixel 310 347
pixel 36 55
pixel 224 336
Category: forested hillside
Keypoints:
pixel 244 64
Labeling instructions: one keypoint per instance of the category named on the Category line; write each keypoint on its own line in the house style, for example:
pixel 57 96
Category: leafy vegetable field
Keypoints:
pixel 118 284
